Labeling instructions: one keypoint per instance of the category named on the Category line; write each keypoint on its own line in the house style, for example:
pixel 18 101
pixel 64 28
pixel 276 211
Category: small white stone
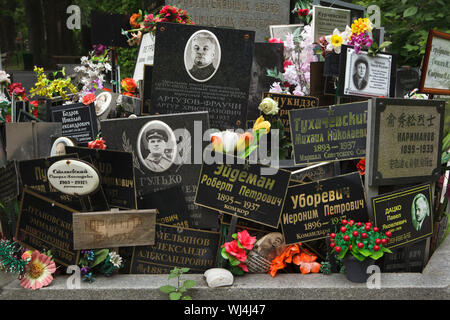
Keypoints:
pixel 218 277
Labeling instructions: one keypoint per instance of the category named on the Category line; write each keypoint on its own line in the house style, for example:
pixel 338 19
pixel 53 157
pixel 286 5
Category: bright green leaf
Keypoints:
pixel 100 256
pixel 186 298
pixel 189 284
pixel 175 296
pixel 173 275
pixel 234 262
pixel 377 255
pixel 182 289
pixel 167 289
pixel 185 270
pixel 410 12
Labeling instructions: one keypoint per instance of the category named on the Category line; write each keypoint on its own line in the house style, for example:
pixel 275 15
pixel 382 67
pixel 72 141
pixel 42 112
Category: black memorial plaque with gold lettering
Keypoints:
pixel 408 214
pixel 313 210
pixel 329 134
pixel 165 155
pixel 9 187
pixel 117 174
pixel 200 68
pixel 177 247
pixel 243 190
pixel 404 141
pixel 287 102
pixel 44 224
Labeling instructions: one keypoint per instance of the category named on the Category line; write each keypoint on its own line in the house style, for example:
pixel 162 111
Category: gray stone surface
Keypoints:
pixel 432 284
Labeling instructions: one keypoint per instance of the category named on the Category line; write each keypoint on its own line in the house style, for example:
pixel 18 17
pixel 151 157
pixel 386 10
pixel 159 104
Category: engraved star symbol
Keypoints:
pixel 319 187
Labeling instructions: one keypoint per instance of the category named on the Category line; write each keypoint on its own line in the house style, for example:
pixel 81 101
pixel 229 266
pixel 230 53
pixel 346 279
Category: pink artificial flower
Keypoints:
pixel 233 249
pixel 89 98
pixel 243 266
pixel 275 40
pixel 38 272
pixel 286 64
pixel 246 240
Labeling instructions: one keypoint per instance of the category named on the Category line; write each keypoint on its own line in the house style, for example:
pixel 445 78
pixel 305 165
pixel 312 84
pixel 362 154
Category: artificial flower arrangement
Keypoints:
pixel 298 55
pixel 361 166
pixel 360 240
pixel 144 22
pixel 297 255
pixel 33 268
pixel 302 9
pixel 60 86
pixel 91 74
pixel 98 143
pixel 359 36
pixel 236 251
pixel 101 261
pixel 243 144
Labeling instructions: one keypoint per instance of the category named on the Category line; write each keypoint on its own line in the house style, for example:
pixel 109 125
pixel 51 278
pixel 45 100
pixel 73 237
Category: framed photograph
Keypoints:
pixel 435 77
pixel 280 31
pixel 202 55
pixel 364 75
pixel 59 146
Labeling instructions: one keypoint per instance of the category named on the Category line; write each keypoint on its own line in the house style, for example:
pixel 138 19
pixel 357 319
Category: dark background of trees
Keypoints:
pixel 43 26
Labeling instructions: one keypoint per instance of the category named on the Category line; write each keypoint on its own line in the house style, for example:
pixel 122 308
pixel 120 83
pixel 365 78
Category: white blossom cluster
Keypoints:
pixel 91 74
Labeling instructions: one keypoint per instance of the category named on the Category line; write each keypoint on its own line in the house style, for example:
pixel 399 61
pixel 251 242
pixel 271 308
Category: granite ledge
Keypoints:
pixel 432 284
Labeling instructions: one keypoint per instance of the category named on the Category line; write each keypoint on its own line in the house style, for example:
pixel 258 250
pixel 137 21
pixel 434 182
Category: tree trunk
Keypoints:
pixel 35 22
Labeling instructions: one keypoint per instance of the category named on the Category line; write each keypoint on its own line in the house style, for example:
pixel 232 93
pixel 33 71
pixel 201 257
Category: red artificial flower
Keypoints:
pixel 34 103
pixel 233 249
pixel 97 144
pixel 128 84
pixel 17 89
pixel 361 166
pixel 287 63
pixel 128 94
pixel 243 266
pixel 135 17
pixel 303 12
pixel 246 240
pixel 275 40
pixel 8 118
pixel 89 98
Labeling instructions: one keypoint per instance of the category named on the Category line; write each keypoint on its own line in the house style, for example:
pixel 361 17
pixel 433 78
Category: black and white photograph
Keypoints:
pixel 103 103
pixel 202 55
pixel 280 31
pixel 364 75
pixel 59 146
pixel 420 210
pixel 156 146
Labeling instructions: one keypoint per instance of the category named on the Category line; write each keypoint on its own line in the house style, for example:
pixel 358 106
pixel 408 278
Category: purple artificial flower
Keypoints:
pixel 99 49
pixel 85 270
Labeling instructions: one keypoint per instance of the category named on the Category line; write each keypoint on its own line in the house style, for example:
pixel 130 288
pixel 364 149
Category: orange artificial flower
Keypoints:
pixel 307 262
pixel 134 20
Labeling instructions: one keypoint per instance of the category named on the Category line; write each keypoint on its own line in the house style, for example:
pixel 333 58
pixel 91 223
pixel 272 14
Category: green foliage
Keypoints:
pixel 127 59
pixel 407 24
pixel 178 293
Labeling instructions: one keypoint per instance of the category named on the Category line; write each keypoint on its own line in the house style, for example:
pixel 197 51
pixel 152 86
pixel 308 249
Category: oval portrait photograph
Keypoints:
pixel 202 55
pixel 59 146
pixel 156 146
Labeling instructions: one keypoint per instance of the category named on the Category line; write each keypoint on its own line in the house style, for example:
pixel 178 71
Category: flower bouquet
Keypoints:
pixel 144 22
pixel 100 261
pixel 358 242
pixel 236 251
pixel 297 255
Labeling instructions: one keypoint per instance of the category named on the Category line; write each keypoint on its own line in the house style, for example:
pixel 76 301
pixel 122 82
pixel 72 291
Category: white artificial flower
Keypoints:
pixel 4 77
pixel 115 259
pixel 334 41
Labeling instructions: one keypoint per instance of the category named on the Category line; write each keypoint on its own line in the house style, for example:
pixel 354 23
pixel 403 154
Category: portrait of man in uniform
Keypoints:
pixel 202 55
pixel 158 145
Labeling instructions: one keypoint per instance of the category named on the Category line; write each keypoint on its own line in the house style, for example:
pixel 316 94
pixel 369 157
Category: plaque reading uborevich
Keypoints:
pixel 202 69
pixel 46 224
pixel 177 247
pixel 329 134
pixel 313 210
pixel 407 213
pixel 243 190
pixel 405 137
pixel 165 155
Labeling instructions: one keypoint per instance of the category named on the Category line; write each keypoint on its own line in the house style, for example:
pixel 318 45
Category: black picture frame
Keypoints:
pixel 343 75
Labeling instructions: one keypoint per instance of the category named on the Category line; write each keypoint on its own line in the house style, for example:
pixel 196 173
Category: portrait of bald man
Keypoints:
pixel 202 55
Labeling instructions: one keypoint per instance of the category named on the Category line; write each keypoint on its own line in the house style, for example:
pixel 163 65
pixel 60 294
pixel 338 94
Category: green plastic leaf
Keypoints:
pixel 445 157
pixel 240 245
pixel 377 254
pixel 358 256
pixel 167 289
pixel 342 253
pixel 365 252
pixel 189 284
pixel 234 262
pixel 234 236
pixel 175 296
pixel 186 298
pixel 225 254
pixel 410 12
pixel 385 45
pixel 386 250
pixel 100 256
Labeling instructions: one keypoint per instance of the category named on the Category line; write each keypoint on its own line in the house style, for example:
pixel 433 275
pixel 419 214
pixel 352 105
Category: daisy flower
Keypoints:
pixel 38 272
pixel 115 259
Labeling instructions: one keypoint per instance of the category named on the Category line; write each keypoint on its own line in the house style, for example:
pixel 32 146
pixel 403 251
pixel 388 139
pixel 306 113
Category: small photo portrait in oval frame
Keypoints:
pixel 59 146
pixel 420 210
pixel 103 103
pixel 202 55
pixel 360 73
pixel 156 146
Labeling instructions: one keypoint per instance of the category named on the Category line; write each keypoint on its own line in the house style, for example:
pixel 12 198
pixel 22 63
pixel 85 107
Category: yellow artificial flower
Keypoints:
pixel 260 123
pixel 361 25
pixel 336 40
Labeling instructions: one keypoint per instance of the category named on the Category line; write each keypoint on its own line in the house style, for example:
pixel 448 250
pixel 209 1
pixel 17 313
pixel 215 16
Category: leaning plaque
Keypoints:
pixel 404 140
